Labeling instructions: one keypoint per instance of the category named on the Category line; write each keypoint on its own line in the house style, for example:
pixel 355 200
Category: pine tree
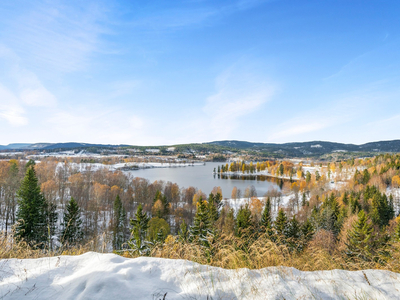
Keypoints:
pixel 201 229
pixel 266 220
pixel 32 208
pixel 118 223
pixel 72 232
pixel 139 224
pixel 360 237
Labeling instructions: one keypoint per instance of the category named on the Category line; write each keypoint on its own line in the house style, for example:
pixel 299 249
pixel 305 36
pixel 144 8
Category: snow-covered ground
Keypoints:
pixel 108 276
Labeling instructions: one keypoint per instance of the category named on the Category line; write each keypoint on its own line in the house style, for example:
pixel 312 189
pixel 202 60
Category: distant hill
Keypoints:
pixel 295 149
pixel 311 148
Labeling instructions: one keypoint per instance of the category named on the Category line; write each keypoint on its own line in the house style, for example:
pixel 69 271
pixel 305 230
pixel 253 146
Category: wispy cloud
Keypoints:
pixel 198 13
pixel 10 109
pixel 308 124
pixel 54 35
pixel 238 93
pixel 19 88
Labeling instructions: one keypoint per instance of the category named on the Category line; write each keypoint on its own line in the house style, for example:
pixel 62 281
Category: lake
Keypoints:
pixel 202 177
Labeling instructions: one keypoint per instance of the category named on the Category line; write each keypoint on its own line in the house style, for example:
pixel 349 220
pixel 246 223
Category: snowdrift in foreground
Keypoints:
pixel 108 276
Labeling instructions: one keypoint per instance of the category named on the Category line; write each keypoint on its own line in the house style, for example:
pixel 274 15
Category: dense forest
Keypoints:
pixel 327 215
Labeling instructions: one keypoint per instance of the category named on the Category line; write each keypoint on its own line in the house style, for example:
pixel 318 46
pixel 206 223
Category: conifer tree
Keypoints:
pixel 280 224
pixel 293 233
pixel 32 212
pixel 360 238
pixel 330 214
pixel 139 224
pixel 118 223
pixel 213 208
pixel 201 228
pixel 307 231
pixel 266 220
pixel 243 220
pixel 72 232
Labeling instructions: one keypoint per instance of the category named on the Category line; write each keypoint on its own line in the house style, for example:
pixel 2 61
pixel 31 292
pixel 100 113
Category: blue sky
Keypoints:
pixel 167 72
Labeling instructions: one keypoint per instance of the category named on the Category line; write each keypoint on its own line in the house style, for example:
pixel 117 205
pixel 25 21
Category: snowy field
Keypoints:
pixel 108 276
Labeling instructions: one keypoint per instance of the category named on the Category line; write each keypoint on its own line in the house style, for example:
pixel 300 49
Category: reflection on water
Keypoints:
pixel 277 181
pixel 202 177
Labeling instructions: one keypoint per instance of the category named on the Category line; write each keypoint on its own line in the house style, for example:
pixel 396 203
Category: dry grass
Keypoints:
pixel 229 252
pixel 10 248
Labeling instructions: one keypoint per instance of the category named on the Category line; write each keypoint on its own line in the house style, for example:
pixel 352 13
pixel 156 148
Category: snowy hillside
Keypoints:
pixel 108 276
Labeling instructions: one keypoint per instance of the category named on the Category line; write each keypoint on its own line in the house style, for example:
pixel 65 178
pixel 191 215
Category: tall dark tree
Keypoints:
pixel 32 209
pixel 280 225
pixel 140 224
pixel 293 233
pixel 214 205
pixel 266 220
pixel 360 238
pixel 201 229
pixel 72 234
pixel 119 222
pixel 243 221
pixel 307 231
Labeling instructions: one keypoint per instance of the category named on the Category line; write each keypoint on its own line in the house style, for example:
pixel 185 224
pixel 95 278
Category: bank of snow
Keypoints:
pixel 108 276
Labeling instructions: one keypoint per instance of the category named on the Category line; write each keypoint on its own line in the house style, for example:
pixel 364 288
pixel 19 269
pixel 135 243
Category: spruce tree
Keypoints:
pixel 201 229
pixel 72 234
pixel 140 224
pixel 118 223
pixel 307 231
pixel 359 238
pixel 280 224
pixel 266 220
pixel 293 233
pixel 243 221
pixel 32 212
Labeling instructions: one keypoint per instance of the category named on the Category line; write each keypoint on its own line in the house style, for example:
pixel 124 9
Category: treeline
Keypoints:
pixel 104 198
